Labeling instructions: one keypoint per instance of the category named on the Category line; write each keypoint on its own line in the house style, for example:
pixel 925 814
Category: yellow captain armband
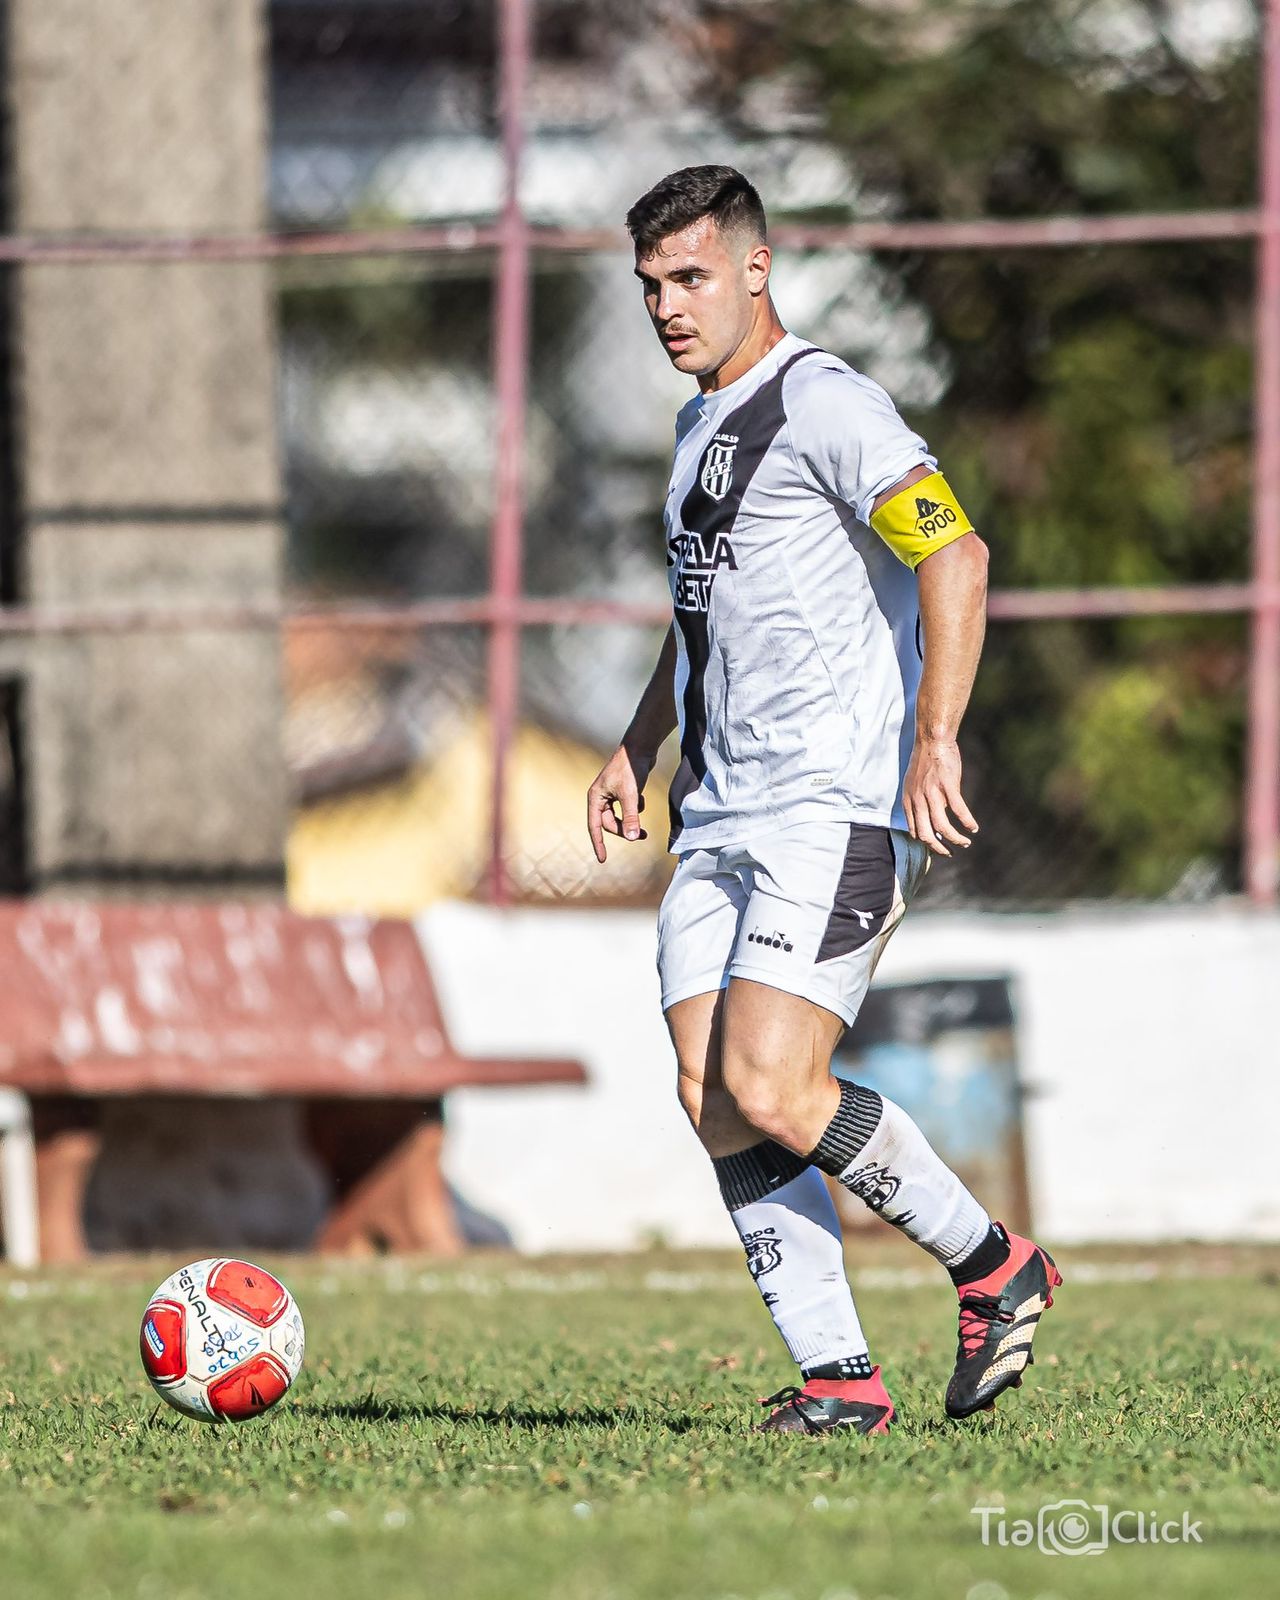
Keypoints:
pixel 921 519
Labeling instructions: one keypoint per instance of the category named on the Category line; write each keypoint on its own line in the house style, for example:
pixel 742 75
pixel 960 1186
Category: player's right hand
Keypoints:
pixel 616 799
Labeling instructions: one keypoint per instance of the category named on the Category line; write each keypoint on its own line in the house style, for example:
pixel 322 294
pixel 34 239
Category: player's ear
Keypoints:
pixel 759 259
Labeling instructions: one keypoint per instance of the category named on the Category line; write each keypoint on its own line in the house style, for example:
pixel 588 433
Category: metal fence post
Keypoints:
pixel 1262 784
pixel 511 356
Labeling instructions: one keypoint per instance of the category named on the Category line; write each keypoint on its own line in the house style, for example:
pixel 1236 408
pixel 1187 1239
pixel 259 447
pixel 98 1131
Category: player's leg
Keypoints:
pixel 778 1203
pixel 784 1215
pixel 779 1075
pixel 821 910
pixel 825 899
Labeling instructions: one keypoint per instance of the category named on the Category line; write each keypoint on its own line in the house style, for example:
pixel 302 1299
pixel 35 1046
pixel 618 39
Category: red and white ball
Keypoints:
pixel 222 1340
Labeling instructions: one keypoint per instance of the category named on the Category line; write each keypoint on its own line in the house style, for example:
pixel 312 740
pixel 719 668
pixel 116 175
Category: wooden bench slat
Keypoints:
pixel 243 1000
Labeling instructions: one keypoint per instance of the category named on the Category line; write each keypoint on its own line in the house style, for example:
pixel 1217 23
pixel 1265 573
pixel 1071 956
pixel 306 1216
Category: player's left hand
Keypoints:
pixel 931 796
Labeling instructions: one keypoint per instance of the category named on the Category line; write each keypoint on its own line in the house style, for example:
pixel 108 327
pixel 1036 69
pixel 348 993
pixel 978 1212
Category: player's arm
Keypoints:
pixel 616 799
pixel 950 563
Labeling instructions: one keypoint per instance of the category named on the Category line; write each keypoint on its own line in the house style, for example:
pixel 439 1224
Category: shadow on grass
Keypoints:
pixel 528 1418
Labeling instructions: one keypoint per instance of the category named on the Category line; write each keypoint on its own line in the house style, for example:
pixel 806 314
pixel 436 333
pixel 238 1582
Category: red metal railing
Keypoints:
pixel 1262 777
pixel 511 359
pixel 463 238
pixel 505 610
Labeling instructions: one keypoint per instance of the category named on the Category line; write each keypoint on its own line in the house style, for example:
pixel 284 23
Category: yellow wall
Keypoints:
pixel 391 848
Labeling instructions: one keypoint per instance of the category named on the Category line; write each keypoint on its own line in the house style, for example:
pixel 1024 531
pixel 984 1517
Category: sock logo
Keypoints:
pixel 873 1185
pixel 764 1251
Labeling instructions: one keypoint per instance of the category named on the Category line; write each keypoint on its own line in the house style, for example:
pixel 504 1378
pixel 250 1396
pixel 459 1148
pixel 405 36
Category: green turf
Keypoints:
pixel 581 1430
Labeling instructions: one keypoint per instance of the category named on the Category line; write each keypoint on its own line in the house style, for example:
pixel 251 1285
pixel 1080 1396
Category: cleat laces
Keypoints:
pixel 977 1313
pixel 794 1397
pixel 784 1397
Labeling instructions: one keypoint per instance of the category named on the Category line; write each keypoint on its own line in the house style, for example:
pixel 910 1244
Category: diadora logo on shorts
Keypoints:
pixel 932 518
pixel 778 941
pixel 872 1184
pixel 717 465
pixel 764 1251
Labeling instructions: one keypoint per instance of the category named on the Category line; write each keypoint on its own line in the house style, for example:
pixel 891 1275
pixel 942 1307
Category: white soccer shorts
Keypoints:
pixel 807 909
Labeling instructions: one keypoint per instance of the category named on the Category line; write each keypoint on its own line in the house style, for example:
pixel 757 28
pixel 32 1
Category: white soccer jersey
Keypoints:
pixel 798 628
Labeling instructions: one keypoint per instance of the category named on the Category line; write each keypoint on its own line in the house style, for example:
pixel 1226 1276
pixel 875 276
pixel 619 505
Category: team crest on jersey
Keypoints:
pixel 717 465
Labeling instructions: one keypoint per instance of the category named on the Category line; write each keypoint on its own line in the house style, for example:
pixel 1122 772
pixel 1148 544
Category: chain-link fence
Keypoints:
pixel 331 337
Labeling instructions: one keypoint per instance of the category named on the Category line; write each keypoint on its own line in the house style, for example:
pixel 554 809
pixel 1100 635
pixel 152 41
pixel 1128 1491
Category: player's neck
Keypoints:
pixel 755 347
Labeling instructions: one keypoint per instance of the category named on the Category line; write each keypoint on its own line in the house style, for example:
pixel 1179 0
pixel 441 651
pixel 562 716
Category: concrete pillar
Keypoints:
pixel 146 456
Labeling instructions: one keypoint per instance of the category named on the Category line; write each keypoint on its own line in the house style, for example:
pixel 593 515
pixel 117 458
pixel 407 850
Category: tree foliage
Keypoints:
pixel 1096 414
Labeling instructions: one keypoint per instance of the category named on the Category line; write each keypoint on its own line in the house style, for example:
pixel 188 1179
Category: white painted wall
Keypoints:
pixel 1148 1040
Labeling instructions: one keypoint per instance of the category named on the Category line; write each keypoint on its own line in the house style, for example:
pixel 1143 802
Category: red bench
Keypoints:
pixel 101 1000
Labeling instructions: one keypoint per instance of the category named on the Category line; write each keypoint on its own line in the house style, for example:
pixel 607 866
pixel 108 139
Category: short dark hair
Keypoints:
pixel 721 193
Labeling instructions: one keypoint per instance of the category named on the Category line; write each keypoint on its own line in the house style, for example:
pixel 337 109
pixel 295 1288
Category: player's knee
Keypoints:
pixel 762 1100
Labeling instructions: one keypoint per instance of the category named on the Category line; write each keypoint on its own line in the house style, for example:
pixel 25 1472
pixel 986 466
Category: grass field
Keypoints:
pixel 580 1429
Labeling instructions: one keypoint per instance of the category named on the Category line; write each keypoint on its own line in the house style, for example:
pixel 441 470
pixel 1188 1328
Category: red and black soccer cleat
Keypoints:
pixel 827 1405
pixel 998 1318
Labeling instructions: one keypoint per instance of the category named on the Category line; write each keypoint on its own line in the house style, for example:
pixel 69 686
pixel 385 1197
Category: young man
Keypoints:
pixel 829 598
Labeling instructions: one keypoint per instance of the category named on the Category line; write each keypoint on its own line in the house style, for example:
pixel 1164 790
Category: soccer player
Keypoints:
pixel 829 607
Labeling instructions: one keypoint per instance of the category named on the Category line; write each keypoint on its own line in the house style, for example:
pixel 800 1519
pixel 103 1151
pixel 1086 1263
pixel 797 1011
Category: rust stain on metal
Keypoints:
pixel 229 1000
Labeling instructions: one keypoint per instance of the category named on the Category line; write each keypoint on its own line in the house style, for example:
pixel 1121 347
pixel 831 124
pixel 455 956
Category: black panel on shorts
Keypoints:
pixel 864 894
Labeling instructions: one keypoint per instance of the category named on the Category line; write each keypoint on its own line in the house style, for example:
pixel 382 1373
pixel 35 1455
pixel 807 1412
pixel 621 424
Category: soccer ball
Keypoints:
pixel 222 1340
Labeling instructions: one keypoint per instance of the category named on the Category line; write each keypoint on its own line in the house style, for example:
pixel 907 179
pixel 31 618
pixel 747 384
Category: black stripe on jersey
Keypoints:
pixel 756 423
pixel 864 895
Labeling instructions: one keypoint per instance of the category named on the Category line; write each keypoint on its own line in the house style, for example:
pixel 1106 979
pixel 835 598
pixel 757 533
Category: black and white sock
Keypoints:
pixel 788 1225
pixel 878 1153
